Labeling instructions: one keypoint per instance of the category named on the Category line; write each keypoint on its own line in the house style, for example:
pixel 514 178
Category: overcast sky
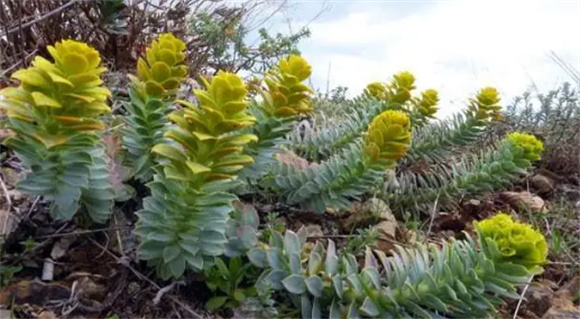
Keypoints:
pixel 455 47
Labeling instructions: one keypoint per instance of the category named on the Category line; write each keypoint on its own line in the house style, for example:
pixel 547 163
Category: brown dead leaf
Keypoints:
pixel 525 200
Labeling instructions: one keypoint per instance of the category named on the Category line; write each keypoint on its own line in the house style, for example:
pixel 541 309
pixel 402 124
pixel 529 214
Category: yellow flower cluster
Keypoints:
pixel 531 146
pixel 427 105
pixel 287 95
pixel 59 96
pixel 211 149
pixel 486 104
pixel 388 137
pixel 516 242
pixel 398 91
pixel 163 69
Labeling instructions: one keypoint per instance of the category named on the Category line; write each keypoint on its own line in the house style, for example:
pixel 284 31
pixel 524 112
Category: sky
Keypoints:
pixel 455 47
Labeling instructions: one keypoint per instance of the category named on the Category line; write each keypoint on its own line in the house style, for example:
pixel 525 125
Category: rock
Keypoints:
pixel 87 288
pixel 571 192
pixel 313 230
pixel 539 297
pixel 525 200
pixel 563 302
pixel 379 209
pixel 387 226
pixel 373 210
pixel 17 196
pixel 474 202
pixel 411 236
pixel 290 158
pixel 542 183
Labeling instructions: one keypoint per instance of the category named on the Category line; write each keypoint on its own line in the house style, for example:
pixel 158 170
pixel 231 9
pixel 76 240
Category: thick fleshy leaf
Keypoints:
pixel 42 100
pixel 294 284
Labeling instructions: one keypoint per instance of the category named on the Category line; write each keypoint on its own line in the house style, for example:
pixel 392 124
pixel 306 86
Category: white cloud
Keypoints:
pixel 456 47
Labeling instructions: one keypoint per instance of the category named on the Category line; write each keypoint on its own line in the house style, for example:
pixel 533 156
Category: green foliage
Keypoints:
pixel 555 116
pixel 285 98
pixel 7 274
pixel 363 238
pixel 454 280
pixel 319 141
pixel 432 141
pixel 322 142
pixel 159 76
pixel 242 231
pixel 225 36
pixel 183 223
pixel 228 279
pixel 492 169
pixel 231 284
pixel 55 116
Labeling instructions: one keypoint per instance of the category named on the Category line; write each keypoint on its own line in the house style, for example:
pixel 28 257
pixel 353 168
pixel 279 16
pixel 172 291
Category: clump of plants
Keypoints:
pixel 195 156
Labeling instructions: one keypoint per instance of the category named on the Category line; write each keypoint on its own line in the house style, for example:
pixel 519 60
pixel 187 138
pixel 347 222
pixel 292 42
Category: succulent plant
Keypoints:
pixel 347 175
pixel 151 93
pixel 454 280
pixel 398 91
pixel 485 105
pixel 531 146
pixel 183 224
pixel 376 90
pixel 511 241
pixel 163 69
pixel 285 98
pixel 494 167
pixel 388 137
pixel 55 114
pixel 427 105
pixel 287 95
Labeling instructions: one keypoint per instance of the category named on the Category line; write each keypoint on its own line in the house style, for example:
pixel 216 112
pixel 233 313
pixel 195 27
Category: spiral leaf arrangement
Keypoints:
pixel 349 174
pixel 55 115
pixel 152 91
pixel 454 280
pixel 183 223
pixel 284 98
